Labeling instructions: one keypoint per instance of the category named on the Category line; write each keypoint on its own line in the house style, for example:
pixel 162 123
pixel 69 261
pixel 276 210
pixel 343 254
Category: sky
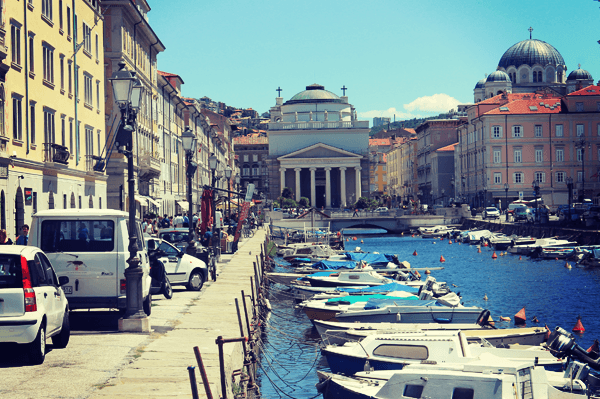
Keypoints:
pixel 398 58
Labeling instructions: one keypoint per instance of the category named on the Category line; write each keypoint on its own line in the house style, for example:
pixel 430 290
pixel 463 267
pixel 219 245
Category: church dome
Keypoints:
pixel 530 52
pixel 498 76
pixel 314 93
pixel 580 74
pixel 480 84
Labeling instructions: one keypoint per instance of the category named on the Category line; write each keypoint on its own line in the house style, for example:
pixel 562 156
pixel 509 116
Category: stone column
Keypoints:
pixel 343 186
pixel 281 180
pixel 358 188
pixel 297 183
pixel 328 187
pixel 313 188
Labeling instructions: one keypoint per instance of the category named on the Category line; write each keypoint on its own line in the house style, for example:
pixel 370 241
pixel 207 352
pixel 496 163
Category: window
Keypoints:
pixel 246 157
pixel 77 235
pixel 560 155
pixel 497 156
pixel 496 132
pixel 87 39
pixel 517 155
pixel 580 131
pixel 47 9
pixel 497 178
pixel 15 44
pixel 17 120
pixel 579 155
pixel 539 155
pixel 89 140
pixel 560 177
pixel 540 177
pixel 518 177
pixel 255 170
pixel 70 73
pixel 412 352
pixel 62 73
pixel 87 90
pixel 598 128
pixel 254 157
pixel 68 21
pixel 32 121
pixel 98 94
pixel 579 107
pixel 31 53
pixel 70 136
pixel 579 176
pixel 97 47
pixel 48 60
pixel 63 131
pixel 463 393
pixel 413 391
pixel 559 130
pixel 2 110
pixel 60 14
pixel 49 128
pixel 246 170
pixel 517 131
pixel 538 131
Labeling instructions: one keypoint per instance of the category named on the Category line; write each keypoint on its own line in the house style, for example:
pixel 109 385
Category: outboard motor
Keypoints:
pixel 562 344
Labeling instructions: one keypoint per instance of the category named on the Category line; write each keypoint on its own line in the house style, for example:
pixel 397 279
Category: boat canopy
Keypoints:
pixel 376 303
pixel 380 288
pixel 370 258
pixel 334 265
pixel 360 298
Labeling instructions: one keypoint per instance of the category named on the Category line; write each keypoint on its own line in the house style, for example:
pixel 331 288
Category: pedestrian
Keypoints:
pixel 178 221
pixel 166 223
pixel 4 240
pixel 186 221
pixel 355 212
pixel 24 237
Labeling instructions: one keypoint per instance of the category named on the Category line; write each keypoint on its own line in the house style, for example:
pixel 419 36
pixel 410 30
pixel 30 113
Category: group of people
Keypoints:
pixel 22 239
pixel 151 226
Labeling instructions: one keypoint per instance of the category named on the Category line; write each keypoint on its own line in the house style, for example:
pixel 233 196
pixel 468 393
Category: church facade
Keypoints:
pixel 318 149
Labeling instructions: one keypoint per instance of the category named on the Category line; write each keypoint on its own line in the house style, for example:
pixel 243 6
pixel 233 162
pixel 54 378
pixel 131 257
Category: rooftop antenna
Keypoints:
pixel 530 30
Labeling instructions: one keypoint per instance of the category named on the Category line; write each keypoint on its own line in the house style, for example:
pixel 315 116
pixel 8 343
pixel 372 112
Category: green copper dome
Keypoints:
pixel 314 93
pixel 531 52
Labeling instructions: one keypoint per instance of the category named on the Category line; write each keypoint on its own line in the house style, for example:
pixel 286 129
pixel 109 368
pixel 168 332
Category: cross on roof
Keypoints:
pixel 344 88
pixel 530 30
pixel 278 91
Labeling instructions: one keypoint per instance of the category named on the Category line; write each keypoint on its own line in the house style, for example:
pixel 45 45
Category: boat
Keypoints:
pixel 540 242
pixel 423 311
pixel 304 292
pixel 438 230
pixel 394 351
pixel 475 237
pixel 354 278
pixel 487 377
pixel 306 252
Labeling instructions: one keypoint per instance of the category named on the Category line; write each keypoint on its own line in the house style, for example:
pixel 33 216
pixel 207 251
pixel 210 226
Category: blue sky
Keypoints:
pixel 408 58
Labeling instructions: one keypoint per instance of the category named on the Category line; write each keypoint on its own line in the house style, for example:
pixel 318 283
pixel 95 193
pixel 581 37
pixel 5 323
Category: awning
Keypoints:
pixel 143 200
pixel 153 201
pixel 184 204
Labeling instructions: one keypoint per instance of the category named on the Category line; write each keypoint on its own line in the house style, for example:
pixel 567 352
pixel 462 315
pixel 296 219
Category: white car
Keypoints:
pixel 382 209
pixel 33 305
pixel 181 268
pixel 491 212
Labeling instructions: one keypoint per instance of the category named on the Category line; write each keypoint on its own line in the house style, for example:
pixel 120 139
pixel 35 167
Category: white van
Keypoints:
pixel 90 247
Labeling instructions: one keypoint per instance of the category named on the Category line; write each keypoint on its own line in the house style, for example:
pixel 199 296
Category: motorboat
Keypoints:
pixel 394 351
pixel 304 292
pixel 475 237
pixel 354 278
pixel 306 251
pixel 423 311
pixel 540 242
pixel 435 231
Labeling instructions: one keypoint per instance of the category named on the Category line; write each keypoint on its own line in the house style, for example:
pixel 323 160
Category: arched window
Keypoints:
pixel 560 77
pixel 72 200
pixel 246 170
pixel 255 170
pixel 91 202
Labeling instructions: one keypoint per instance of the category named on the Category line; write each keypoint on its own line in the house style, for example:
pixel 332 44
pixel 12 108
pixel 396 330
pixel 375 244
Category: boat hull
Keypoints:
pixel 348 365
pixel 407 316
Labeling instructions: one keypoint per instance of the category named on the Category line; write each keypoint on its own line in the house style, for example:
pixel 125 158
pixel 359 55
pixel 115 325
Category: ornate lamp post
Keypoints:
pixel 237 186
pixel 569 181
pixel 536 193
pixel 506 187
pixel 189 141
pixel 581 145
pixel 228 172
pixel 213 163
pixel 443 195
pixel 127 92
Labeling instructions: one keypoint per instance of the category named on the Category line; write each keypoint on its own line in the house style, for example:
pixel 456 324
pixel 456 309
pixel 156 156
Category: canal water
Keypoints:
pixel 547 289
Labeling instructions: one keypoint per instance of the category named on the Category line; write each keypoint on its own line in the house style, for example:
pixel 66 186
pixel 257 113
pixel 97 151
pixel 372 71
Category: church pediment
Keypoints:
pixel 320 150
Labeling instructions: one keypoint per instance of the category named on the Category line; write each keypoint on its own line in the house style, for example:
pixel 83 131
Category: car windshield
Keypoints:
pixel 174 236
pixel 491 209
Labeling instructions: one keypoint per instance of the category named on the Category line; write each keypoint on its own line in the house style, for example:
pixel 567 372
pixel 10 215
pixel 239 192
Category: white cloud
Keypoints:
pixel 390 112
pixel 437 103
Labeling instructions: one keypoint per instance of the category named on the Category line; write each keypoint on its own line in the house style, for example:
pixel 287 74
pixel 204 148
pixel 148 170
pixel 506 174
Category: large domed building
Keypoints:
pixel 318 148
pixel 529 66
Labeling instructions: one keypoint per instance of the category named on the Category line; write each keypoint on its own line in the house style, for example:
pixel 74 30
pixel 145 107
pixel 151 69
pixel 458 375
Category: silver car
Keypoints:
pixel 491 213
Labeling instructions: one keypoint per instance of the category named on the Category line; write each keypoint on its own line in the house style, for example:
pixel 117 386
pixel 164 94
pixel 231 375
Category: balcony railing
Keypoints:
pixel 149 165
pixel 318 125
pixel 91 161
pixel 56 153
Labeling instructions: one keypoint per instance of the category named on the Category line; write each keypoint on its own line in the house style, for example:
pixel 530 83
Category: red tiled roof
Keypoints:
pixel 250 140
pixel 528 104
pixel 161 73
pixel 448 147
pixel 413 131
pixel 380 142
pixel 587 91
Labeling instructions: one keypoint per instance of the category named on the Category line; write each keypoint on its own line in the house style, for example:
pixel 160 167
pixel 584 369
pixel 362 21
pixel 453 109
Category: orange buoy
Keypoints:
pixel 427 271
pixel 485 244
pixel 519 257
pixel 459 243
pixel 415 253
pixel 478 250
pixel 449 241
pixel 442 258
pixel 353 238
pixel 520 317
pixel 494 256
pixel 413 235
pixel 555 258
pixel 578 326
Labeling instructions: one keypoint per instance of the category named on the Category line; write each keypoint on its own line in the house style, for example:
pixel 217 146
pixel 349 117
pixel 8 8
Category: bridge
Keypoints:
pixel 390 223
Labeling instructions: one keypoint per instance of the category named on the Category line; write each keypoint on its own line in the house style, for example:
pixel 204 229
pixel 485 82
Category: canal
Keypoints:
pixel 547 289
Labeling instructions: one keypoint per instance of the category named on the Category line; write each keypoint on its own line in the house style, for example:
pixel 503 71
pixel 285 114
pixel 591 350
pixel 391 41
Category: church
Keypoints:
pixel 318 149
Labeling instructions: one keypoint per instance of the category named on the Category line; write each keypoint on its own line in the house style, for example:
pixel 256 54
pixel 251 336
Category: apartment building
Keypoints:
pixel 52 126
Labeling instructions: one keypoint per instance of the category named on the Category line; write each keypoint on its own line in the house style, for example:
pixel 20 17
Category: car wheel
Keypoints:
pixel 196 281
pixel 167 290
pixel 148 305
pixel 61 339
pixel 37 349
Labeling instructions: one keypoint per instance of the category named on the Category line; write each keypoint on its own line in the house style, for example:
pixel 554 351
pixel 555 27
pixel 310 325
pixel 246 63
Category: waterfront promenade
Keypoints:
pixel 158 366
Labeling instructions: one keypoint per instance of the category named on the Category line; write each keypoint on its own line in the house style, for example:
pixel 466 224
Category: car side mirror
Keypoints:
pixel 180 254
pixel 62 280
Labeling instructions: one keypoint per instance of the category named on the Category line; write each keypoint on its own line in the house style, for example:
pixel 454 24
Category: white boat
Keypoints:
pixel 476 236
pixel 394 351
pixel 540 242
pixel 351 278
pixel 306 250
pixel 435 231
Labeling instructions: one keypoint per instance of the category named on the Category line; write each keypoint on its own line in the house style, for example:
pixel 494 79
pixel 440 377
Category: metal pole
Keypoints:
pixel 193 382
pixel 216 235
pixel 190 247
pixel 203 373
pixel 219 343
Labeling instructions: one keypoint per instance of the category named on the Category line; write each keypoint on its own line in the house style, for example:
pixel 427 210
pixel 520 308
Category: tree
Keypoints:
pixel 362 203
pixel 287 193
pixel 304 202
pixel 288 203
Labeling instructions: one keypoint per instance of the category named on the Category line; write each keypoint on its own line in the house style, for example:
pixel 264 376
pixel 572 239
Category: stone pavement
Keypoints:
pixel 158 367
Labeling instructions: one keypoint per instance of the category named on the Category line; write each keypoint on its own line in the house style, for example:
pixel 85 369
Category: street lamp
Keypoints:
pixel 431 197
pixel 443 195
pixel 536 192
pixel 506 187
pixel 581 144
pixel 127 91
pixel 216 236
pixel 189 141
pixel 569 181
pixel 228 172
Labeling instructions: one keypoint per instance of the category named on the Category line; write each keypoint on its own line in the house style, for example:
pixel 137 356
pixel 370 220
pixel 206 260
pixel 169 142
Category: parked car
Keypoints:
pixel 491 212
pixel 381 209
pixel 182 269
pixel 513 206
pixel 33 305
pixel 520 213
pixel 178 236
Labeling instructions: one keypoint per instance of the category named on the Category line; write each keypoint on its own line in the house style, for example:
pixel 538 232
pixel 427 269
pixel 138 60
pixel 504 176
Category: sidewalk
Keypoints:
pixel 158 368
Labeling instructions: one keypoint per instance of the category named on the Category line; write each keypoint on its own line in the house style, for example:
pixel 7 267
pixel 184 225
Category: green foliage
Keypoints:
pixel 362 203
pixel 288 203
pixel 373 204
pixel 276 204
pixel 304 202
pixel 408 124
pixel 287 193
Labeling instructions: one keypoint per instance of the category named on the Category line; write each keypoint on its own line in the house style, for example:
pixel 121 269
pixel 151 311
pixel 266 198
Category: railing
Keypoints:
pixel 91 161
pixel 56 153
pixel 318 125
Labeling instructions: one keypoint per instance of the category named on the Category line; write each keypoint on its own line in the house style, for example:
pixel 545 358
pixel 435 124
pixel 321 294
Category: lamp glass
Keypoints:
pixel 228 172
pixel 237 179
pixel 122 86
pixel 136 95
pixel 212 162
pixel 187 140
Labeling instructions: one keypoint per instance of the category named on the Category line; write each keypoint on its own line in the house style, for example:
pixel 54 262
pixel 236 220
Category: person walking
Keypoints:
pixel 24 237
pixel 355 212
pixel 4 240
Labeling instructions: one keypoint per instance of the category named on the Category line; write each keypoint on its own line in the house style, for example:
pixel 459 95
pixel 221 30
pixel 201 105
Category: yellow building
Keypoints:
pixel 52 100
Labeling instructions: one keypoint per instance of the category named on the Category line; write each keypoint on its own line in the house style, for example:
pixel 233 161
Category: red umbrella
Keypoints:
pixel 206 211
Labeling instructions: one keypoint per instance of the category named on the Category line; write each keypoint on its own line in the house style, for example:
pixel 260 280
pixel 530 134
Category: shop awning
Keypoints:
pixel 153 201
pixel 184 204
pixel 143 200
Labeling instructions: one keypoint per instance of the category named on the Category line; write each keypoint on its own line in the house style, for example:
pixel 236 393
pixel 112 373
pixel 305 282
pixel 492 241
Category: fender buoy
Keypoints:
pixel 494 256
pixel 362 242
pixel 353 238
pixel 502 318
pixel 567 265
pixel 442 258
pixel 415 253
pixel 427 271
pixel 578 326
pixel 485 298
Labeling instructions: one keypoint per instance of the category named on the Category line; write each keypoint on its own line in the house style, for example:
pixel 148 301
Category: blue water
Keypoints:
pixel 554 294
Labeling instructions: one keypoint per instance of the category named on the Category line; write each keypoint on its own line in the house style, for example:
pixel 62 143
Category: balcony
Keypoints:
pixel 92 163
pixel 149 165
pixel 55 153
pixel 4 146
